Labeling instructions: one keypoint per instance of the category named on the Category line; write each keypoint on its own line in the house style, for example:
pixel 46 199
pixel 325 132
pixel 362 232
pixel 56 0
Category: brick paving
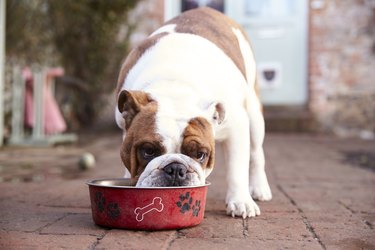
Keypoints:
pixel 323 190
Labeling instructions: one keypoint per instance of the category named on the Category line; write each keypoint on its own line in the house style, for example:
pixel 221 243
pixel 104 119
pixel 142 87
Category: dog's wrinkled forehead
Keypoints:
pixel 171 132
pixel 151 133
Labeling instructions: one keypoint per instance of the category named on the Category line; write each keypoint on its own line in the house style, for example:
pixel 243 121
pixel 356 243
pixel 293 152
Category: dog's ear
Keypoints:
pixel 129 103
pixel 216 111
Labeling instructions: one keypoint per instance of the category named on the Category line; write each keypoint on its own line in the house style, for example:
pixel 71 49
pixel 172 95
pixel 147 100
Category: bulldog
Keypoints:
pixel 189 85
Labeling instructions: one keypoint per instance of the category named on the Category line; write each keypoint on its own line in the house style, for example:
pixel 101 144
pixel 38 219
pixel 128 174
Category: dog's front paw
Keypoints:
pixel 259 188
pixel 242 206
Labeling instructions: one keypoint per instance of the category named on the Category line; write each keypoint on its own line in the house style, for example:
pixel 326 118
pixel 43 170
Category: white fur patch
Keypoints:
pixel 169 28
pixel 171 131
pixel 119 119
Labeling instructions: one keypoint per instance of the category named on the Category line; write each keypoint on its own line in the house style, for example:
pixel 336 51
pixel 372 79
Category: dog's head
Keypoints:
pixel 160 149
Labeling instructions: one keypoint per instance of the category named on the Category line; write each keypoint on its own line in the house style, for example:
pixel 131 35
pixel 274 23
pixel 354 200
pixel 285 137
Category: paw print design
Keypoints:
pixel 196 208
pixel 113 210
pixel 100 201
pixel 185 202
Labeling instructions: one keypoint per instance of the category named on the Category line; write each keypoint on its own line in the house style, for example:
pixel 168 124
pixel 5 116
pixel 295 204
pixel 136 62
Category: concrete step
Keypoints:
pixel 289 119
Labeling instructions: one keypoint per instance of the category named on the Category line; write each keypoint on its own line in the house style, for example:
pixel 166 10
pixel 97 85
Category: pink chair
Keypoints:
pixel 35 107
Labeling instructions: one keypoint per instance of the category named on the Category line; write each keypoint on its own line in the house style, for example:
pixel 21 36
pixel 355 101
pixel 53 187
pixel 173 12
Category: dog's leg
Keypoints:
pixel 237 146
pixel 259 188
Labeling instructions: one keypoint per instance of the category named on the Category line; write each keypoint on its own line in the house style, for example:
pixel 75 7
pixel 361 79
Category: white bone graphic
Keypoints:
pixel 155 205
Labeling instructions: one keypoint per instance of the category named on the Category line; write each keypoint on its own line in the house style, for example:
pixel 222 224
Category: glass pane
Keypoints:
pixel 270 8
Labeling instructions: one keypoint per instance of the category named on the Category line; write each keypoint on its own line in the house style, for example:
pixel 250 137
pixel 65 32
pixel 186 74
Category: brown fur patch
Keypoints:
pixel 198 137
pixel 215 27
pixel 130 104
pixel 143 130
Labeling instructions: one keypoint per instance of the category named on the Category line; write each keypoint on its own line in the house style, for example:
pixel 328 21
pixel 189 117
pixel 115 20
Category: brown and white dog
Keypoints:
pixel 190 84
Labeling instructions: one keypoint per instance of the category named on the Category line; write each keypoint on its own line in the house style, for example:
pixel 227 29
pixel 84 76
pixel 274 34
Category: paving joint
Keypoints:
pixel 171 239
pixel 347 207
pixel 245 227
pixel 39 230
pixel 98 239
pixel 369 224
pixel 308 225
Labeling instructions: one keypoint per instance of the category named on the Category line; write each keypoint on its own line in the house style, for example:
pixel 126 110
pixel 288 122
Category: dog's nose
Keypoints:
pixel 176 171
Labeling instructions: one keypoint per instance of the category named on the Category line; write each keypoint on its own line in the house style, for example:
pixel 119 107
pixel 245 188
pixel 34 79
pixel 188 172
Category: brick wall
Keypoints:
pixel 342 66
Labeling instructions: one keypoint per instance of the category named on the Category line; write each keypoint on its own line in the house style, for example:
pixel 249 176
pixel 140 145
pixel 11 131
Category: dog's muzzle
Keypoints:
pixel 172 170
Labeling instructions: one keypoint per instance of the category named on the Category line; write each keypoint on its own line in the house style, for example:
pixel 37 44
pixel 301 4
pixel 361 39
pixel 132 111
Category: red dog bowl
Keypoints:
pixel 116 204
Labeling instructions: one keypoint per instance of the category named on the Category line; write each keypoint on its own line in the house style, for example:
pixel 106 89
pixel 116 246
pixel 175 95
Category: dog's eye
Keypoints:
pixel 148 152
pixel 201 156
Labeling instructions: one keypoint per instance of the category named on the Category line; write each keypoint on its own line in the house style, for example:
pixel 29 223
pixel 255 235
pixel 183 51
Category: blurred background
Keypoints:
pixel 316 62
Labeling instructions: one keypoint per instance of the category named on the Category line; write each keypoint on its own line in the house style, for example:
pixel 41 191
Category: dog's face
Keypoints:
pixel 162 150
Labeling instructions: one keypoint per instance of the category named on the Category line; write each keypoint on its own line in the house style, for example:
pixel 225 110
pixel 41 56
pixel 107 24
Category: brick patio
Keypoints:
pixel 323 190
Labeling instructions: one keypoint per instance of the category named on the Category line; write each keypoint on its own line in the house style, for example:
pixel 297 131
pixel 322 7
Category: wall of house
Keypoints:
pixel 342 66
